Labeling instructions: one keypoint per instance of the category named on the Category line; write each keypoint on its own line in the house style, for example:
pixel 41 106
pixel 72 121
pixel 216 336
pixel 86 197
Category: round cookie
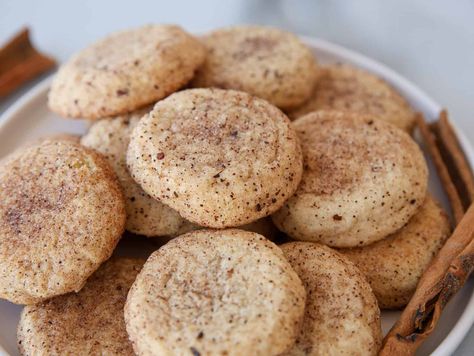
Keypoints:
pixel 363 179
pixel 88 322
pixel 266 62
pixel 210 292
pixel 342 87
pixel 341 313
pixel 61 215
pixel 394 265
pixel 125 71
pixel 145 215
pixel 220 158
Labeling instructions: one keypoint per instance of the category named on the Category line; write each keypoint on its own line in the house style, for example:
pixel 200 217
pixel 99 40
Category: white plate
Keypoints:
pixel 29 118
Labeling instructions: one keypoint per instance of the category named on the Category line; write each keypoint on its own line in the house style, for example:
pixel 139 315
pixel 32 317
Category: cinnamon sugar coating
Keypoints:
pixel 145 215
pixel 269 63
pixel 342 87
pixel 61 215
pixel 125 71
pixel 394 265
pixel 363 179
pixel 88 322
pixel 341 312
pixel 220 158
pixel 219 292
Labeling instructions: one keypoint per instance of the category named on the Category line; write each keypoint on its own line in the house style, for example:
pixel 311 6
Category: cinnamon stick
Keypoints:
pixel 443 278
pixel 441 168
pixel 456 161
pixel 21 62
pixel 451 267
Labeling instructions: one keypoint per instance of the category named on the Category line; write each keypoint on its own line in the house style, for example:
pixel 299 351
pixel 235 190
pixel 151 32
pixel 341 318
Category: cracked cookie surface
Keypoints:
pixel 342 87
pixel 363 179
pixel 61 215
pixel 88 322
pixel 220 158
pixel 341 313
pixel 215 292
pixel 263 61
pixel 125 71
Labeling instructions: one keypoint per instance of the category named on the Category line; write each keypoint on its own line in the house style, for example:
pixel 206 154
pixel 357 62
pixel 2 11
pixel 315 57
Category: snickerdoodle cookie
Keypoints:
pixel 266 62
pixel 88 322
pixel 394 265
pixel 363 179
pixel 145 215
pixel 220 158
pixel 341 313
pixel 226 292
pixel 342 87
pixel 61 215
pixel 125 71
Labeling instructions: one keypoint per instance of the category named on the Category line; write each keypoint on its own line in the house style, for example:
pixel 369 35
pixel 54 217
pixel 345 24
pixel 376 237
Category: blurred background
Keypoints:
pixel 431 42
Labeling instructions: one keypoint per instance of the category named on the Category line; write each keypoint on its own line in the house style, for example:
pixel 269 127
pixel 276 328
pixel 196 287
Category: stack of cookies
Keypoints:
pixel 292 198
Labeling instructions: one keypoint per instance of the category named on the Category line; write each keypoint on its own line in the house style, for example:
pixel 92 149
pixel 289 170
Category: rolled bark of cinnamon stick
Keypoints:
pixel 442 279
pixel 21 62
pixel 453 264
pixel 455 159
pixel 441 167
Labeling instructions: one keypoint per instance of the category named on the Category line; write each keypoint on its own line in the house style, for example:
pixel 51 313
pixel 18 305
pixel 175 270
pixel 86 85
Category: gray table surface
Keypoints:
pixel 431 42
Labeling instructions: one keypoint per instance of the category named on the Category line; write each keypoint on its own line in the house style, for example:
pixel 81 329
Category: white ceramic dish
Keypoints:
pixel 29 118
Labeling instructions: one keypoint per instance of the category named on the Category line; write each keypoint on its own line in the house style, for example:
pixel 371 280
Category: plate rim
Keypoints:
pixel 462 326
